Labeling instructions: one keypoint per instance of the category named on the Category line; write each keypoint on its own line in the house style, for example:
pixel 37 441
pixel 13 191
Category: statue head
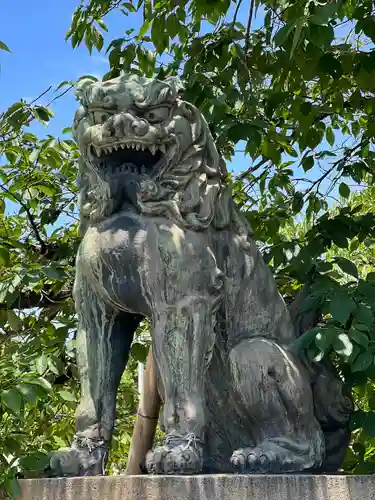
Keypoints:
pixel 143 146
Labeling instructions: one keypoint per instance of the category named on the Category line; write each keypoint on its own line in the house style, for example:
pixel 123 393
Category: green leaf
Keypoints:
pixel 3 46
pixel 330 136
pixel 14 321
pixel 13 488
pixel 63 84
pixel 359 337
pixel 331 66
pixel 97 39
pixel 362 362
pixel 13 400
pixel 321 36
pixel 29 392
pixel 258 123
pixel 347 266
pixel 43 383
pixel 340 239
pixel 297 203
pixel 67 396
pixel 36 461
pixel 144 28
pixel 283 34
pixel 323 14
pixel 308 163
pixel 4 256
pixel 102 24
pixel 42 114
pixel 341 307
pixel 306 339
pixel 369 424
pixel 363 315
pixel 324 339
pixel 139 352
pixel 158 35
pixel 297 36
pixel 343 345
pixel 42 364
pixel 344 190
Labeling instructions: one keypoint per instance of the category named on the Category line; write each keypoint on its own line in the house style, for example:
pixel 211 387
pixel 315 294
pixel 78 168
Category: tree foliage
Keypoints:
pixel 288 83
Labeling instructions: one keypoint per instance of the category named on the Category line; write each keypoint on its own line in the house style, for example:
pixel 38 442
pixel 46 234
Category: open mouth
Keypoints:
pixel 132 158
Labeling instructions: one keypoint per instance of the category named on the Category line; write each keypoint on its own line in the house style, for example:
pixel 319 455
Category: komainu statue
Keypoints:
pixel 163 239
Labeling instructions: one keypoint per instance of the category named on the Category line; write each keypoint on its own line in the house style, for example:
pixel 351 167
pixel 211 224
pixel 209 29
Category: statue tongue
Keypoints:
pixel 131 168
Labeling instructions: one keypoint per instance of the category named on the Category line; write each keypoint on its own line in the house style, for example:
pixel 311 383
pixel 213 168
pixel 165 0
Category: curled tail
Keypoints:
pixel 332 400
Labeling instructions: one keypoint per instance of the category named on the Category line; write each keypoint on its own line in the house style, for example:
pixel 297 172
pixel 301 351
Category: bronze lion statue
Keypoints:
pixel 163 239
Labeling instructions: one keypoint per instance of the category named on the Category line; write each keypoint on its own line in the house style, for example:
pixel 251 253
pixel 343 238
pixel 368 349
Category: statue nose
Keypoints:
pixel 139 127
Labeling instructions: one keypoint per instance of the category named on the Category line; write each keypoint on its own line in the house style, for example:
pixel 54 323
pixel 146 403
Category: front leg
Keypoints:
pixel 103 342
pixel 184 316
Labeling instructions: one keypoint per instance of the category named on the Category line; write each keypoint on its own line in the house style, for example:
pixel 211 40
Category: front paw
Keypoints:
pixel 81 459
pixel 179 455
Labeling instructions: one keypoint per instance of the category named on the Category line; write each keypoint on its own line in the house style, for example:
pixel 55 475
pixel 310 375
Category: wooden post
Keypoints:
pixel 147 418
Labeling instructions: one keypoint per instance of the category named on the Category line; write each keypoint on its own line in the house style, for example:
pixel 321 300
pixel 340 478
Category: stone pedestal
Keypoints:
pixel 226 487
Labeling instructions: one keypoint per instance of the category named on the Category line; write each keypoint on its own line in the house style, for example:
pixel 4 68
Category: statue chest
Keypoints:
pixel 118 244
pixel 124 259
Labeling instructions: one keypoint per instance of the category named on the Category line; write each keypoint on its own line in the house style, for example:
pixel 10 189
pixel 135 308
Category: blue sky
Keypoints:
pixel 40 58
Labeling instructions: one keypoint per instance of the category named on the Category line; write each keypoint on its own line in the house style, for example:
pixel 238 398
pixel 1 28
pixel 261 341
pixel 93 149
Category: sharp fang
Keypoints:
pixel 98 152
pixel 152 148
pixel 137 147
pixel 125 146
pixel 110 149
pixel 143 170
pixel 133 145
pixel 143 147
pixel 116 147
pixel 162 148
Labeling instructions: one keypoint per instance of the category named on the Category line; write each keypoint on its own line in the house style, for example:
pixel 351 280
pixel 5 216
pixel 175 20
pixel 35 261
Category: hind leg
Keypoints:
pixel 273 393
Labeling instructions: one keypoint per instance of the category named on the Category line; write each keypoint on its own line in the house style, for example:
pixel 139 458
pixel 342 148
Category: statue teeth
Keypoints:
pixel 110 149
pixel 137 146
pixel 143 147
pixel 98 152
pixel 143 170
pixel 116 147
pixel 152 148
pixel 162 148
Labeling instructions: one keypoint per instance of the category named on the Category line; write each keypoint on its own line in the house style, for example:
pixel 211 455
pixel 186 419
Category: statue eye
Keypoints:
pixel 157 115
pixel 100 117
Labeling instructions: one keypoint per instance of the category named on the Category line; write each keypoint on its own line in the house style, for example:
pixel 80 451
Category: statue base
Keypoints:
pixel 213 487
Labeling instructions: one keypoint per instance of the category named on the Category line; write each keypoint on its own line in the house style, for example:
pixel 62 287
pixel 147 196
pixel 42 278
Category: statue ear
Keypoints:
pixel 176 85
pixel 223 166
pixel 82 86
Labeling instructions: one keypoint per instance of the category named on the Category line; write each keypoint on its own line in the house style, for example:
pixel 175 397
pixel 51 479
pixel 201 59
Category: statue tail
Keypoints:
pixel 332 400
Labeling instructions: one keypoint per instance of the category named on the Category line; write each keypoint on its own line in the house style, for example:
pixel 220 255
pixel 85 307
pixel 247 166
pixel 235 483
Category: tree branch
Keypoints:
pixel 34 227
pixel 346 156
pixel 247 40
pixel 43 299
pixel 236 12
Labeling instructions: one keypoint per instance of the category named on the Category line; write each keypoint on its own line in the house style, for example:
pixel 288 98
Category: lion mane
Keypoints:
pixel 191 186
